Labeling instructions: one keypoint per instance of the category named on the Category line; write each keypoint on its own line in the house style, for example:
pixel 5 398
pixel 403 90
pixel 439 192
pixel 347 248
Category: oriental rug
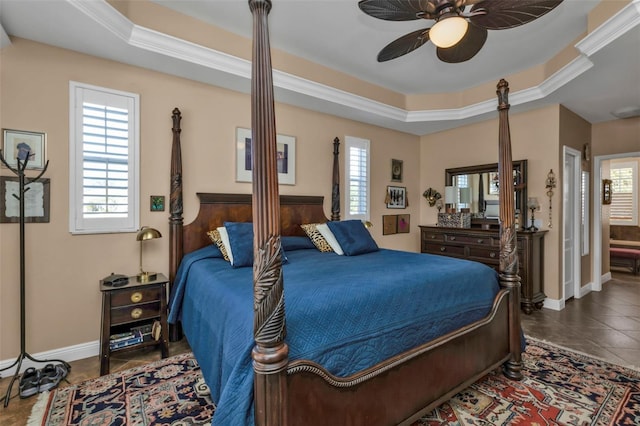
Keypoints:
pixel 561 387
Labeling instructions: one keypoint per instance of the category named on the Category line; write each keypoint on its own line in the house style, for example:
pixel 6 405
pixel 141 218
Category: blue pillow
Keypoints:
pixel 297 243
pixel 241 242
pixel 353 237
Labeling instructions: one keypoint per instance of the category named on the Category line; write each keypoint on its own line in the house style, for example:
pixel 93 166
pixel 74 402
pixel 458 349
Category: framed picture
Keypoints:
pixel 156 203
pixel 606 191
pixel 403 223
pixel 389 224
pixel 36 200
pixel 286 157
pixel 396 197
pixel 19 144
pixel 396 170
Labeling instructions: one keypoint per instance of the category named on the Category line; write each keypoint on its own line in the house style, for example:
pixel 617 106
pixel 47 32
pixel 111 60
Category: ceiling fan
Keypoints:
pixel 457 33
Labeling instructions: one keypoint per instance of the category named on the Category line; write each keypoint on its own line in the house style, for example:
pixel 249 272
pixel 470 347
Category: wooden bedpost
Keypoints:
pixel 509 277
pixel 175 212
pixel 335 185
pixel 270 353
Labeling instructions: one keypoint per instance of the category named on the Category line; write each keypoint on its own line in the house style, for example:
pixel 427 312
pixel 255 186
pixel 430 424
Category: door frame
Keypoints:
pixel 596 258
pixel 574 156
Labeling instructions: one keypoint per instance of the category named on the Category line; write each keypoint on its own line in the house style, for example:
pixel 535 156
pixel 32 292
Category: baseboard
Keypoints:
pixel 68 354
pixel 555 304
pixel 585 289
pixel 606 277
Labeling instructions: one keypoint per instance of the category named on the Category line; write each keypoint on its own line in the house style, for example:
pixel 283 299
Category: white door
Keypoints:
pixel 571 210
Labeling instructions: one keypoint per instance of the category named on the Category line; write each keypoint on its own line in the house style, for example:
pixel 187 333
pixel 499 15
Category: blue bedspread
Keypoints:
pixel 346 313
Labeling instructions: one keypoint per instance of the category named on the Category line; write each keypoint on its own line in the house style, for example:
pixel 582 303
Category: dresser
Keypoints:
pixel 483 245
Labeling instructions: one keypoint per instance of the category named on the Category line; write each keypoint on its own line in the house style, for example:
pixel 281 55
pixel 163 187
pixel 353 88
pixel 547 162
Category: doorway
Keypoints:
pixel 572 174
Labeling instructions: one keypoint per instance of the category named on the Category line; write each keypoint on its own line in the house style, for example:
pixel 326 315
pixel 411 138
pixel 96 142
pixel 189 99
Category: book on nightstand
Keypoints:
pixel 123 340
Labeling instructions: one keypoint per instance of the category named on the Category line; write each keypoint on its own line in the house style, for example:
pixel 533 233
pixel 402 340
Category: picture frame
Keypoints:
pixel 492 183
pixel 403 223
pixel 606 191
pixel 396 197
pixel 396 170
pixel 36 200
pixel 156 203
pixel 15 145
pixel 286 152
pixel 389 224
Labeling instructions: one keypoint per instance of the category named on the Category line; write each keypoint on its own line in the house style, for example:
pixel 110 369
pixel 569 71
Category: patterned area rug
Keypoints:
pixel 560 387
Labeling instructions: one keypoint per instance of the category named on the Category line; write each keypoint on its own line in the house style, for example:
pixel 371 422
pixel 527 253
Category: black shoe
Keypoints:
pixel 29 382
pixel 51 376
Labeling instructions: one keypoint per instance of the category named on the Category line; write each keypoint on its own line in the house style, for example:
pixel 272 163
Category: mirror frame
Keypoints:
pixel 521 189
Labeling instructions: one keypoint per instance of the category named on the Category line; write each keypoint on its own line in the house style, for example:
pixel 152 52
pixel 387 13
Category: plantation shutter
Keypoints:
pixel 623 208
pixel 357 178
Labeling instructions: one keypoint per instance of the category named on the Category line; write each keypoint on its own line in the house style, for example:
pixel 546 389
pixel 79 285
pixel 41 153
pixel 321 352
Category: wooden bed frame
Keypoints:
pixel 397 391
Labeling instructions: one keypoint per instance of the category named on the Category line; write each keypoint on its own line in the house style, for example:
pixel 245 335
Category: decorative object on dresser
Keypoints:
pixel 134 316
pixel 432 196
pixel 450 198
pixel 482 245
pixel 533 205
pixel 550 185
pixel 454 220
pixel 146 233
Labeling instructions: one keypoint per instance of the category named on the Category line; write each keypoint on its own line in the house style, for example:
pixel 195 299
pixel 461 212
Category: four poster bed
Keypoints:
pixel 378 338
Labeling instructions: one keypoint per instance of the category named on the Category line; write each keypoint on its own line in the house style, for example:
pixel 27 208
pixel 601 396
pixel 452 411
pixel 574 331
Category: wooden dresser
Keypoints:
pixel 483 245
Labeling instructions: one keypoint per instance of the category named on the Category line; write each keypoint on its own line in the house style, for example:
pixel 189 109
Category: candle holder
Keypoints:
pixel 533 205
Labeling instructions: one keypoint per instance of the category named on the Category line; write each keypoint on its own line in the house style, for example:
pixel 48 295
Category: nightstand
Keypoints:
pixel 134 306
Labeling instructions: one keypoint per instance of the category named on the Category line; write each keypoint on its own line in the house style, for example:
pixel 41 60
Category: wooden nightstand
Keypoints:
pixel 134 305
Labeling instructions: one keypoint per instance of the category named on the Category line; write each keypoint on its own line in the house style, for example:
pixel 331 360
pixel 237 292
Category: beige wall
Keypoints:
pixel 478 144
pixel 63 301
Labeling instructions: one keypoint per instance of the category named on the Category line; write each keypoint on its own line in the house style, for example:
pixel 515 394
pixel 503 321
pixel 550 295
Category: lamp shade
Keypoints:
pixel 465 195
pixel 448 32
pixel 451 194
pixel 532 203
pixel 147 233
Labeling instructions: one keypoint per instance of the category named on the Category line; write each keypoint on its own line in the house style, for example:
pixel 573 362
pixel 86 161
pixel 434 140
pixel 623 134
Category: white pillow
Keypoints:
pixel 324 230
pixel 224 236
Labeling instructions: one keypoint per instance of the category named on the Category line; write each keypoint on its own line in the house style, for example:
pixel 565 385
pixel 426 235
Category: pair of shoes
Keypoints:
pixel 29 382
pixel 51 376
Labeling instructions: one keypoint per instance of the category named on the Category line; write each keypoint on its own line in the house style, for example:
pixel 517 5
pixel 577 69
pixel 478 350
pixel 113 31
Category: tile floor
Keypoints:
pixel 604 324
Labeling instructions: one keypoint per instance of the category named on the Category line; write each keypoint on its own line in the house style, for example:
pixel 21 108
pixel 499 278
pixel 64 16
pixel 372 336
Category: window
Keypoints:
pixel 103 160
pixel 624 193
pixel 357 171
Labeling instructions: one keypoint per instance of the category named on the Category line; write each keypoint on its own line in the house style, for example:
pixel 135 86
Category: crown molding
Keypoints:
pixel 625 20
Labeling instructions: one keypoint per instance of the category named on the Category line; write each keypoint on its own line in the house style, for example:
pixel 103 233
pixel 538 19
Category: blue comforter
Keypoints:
pixel 346 313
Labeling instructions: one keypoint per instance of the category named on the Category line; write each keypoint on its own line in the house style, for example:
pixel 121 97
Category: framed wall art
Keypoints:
pixel 403 223
pixel 389 224
pixel 17 143
pixel 36 200
pixel 156 203
pixel 606 191
pixel 286 157
pixel 396 170
pixel 396 197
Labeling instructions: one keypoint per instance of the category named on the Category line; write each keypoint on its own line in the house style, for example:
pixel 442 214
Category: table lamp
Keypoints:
pixel 146 233
pixel 533 205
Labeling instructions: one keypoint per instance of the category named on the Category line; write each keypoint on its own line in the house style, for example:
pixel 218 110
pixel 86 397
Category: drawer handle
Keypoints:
pixel 136 313
pixel 453 238
pixel 443 248
pixel 480 241
pixel 492 254
pixel 136 297
pixel 433 237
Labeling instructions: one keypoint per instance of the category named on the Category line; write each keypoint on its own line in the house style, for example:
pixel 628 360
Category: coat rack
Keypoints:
pixel 22 161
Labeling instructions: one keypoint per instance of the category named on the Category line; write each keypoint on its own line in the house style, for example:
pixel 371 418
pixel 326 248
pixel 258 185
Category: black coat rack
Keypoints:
pixel 24 182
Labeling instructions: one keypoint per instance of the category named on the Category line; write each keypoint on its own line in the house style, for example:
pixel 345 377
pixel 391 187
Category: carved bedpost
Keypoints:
pixel 175 211
pixel 270 353
pixel 335 186
pixel 509 278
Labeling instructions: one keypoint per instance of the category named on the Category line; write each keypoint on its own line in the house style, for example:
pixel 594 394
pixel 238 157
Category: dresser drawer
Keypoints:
pixel 429 236
pixel 447 250
pixel 139 295
pixel 137 312
pixel 470 239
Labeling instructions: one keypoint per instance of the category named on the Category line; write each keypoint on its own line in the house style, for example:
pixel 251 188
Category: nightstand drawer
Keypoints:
pixel 137 312
pixel 135 295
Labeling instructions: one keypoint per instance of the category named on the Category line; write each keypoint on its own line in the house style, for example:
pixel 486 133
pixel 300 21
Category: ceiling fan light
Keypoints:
pixel 448 32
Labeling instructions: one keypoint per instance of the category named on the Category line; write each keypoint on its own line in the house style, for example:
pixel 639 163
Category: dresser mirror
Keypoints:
pixel 476 191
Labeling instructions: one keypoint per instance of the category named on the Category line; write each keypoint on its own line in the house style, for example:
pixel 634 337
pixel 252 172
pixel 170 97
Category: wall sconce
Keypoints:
pixel 550 185
pixel 146 233
pixel 533 205
pixel 432 196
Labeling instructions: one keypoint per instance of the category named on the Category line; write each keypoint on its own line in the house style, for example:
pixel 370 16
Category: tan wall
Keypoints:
pixel 478 144
pixel 63 301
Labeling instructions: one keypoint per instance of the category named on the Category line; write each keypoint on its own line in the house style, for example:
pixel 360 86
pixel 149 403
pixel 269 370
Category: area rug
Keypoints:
pixel 561 387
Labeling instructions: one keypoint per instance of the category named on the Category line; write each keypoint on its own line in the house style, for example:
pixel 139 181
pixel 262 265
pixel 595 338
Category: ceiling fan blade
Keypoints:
pixel 466 48
pixel 397 10
pixel 405 44
pixel 503 14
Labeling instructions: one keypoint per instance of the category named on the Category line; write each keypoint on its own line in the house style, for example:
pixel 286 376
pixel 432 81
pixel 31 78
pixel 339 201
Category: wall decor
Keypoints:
pixel 396 197
pixel 606 191
pixel 396 170
pixel 156 203
pixel 36 200
pixel 17 143
pixel 403 223
pixel 286 157
pixel 432 196
pixel 389 224
pixel 550 185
